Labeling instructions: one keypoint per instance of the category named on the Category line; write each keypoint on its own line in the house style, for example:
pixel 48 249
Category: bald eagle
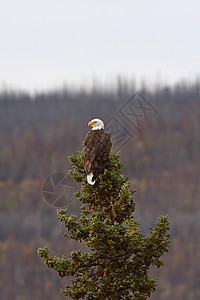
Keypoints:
pixel 97 147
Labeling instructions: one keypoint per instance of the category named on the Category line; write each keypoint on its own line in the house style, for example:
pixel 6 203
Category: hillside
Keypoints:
pixel 38 133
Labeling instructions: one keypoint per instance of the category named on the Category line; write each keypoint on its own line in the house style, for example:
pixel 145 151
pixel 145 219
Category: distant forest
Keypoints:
pixel 38 133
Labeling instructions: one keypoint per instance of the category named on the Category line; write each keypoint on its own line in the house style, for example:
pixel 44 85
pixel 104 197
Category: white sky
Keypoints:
pixel 46 43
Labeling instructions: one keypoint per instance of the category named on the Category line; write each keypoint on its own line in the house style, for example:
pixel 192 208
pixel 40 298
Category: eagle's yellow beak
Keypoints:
pixel 90 123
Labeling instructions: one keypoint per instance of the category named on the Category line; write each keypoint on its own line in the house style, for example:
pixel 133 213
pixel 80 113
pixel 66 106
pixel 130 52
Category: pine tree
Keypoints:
pixel 119 256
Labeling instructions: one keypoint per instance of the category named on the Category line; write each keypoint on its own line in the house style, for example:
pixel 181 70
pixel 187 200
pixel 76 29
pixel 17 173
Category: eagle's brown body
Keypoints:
pixel 97 149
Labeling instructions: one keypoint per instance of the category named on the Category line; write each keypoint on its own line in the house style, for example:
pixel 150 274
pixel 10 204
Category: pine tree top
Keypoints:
pixel 119 256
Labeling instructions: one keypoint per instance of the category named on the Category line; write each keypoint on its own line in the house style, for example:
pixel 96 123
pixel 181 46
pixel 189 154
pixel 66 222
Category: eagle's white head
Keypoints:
pixel 97 124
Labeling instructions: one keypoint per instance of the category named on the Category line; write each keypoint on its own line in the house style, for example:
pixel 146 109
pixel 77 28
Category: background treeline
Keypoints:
pixel 37 133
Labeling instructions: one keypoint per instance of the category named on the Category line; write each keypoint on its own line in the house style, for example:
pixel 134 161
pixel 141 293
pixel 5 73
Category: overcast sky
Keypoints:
pixel 46 43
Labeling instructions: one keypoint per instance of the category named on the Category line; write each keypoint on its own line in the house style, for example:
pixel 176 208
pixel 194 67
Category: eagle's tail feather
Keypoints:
pixel 89 179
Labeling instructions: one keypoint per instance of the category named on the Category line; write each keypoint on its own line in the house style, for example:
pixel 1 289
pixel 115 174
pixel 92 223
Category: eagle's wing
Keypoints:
pixel 89 152
pixel 104 147
pixel 96 151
